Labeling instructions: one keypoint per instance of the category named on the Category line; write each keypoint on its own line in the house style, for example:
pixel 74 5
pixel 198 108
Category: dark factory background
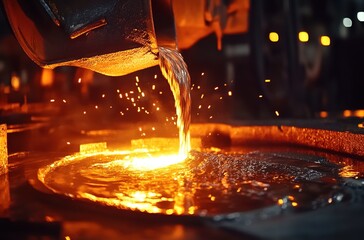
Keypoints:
pixel 299 59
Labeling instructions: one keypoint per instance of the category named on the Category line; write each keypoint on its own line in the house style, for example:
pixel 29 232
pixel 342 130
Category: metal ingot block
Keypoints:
pixel 3 150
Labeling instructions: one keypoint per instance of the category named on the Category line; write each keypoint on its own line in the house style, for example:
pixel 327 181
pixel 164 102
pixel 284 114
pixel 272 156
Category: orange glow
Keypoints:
pixel 324 114
pixel 15 81
pixel 359 113
pixel 280 201
pixel 348 172
pixel 47 77
pixel 294 204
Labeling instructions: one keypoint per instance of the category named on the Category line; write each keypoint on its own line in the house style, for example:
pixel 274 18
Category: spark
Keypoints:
pixel 200 106
pixel 220 98
pixel 198 87
pixel 209 106
pixel 96 107
pixel 202 95
pixel 155 76
pixel 260 96
pixel 52 100
pixel 137 79
pixel 110 107
pixel 160 92
pixel 68 143
pixel 64 100
pixel 216 88
pixel 140 129
pixel 117 90
pixel 267 80
pixel 230 93
pixel 277 113
pixel 143 95
pixel 103 95
pixel 122 114
pixel 139 90
pixel 126 94
pixel 210 117
pixel 132 100
pixel 131 92
pixel 202 74
pixel 120 95
pixel 157 108
pixel 138 109
pixel 79 80
pixel 153 87
pixel 84 112
pixel 153 128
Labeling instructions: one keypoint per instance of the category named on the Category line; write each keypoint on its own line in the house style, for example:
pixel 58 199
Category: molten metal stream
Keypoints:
pixel 174 69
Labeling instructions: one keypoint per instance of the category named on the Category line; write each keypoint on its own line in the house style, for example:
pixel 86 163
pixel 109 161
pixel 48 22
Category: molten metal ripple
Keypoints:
pixel 205 184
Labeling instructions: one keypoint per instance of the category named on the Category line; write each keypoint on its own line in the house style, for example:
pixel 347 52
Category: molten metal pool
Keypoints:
pixel 209 182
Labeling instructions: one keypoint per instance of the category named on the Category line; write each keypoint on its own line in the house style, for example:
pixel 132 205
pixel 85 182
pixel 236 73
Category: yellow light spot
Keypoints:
pixel 303 36
pixel 230 93
pixel 137 79
pixel 96 107
pixel 67 238
pixel 153 87
pixel 329 200
pixel 361 125
pixel 139 90
pixel 260 96
pixel 210 117
pixel 52 100
pixel 202 96
pixel 200 106
pixel 157 108
pixel 209 106
pixel 160 92
pixel 68 143
pixel 169 211
pixel 213 198
pixel 103 95
pixel 198 87
pixel 267 80
pixel 280 201
pixel 277 113
pixel 84 112
pixel 79 80
pixel 131 92
pixel 325 41
pixel 294 204
pixel 202 74
pixel 117 90
pixel 220 98
pixel 273 37
pixel 143 95
pixel 155 76
pixel 64 100
pixel 216 88
pixel 153 128
pixel 290 197
pixel 120 95
pixel 296 186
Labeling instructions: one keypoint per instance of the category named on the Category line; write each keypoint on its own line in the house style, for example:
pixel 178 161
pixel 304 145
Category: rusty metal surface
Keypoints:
pixel 345 142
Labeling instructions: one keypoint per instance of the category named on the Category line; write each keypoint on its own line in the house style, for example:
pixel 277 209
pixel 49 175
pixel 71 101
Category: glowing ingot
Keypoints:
pixel 3 150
